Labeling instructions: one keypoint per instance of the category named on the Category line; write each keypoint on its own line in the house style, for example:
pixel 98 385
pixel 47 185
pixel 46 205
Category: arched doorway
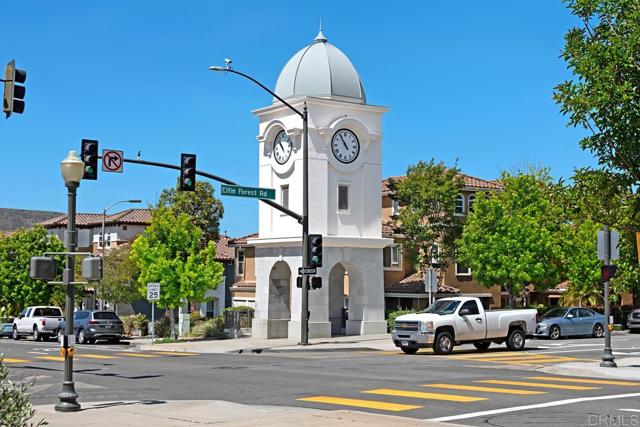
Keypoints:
pixel 279 300
pixel 338 299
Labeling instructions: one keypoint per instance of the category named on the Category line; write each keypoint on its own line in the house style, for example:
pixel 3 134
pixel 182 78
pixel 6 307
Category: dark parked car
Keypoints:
pixel 6 330
pixel 633 321
pixel 570 321
pixel 90 326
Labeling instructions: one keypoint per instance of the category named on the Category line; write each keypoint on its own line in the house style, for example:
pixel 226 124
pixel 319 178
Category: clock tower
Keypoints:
pixel 345 138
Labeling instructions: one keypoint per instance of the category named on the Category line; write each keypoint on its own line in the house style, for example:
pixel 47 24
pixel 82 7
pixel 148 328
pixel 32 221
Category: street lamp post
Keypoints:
pixel 104 218
pixel 304 315
pixel 72 170
pixel 608 360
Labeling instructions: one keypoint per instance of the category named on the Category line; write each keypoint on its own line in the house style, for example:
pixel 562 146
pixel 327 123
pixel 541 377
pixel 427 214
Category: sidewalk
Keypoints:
pixel 628 369
pixel 185 413
pixel 249 344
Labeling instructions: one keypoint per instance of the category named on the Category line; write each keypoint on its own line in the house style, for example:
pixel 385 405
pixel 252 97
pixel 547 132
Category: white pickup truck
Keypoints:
pixel 459 320
pixel 40 322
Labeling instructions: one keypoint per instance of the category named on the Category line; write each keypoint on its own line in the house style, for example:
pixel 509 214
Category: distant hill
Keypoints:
pixel 13 219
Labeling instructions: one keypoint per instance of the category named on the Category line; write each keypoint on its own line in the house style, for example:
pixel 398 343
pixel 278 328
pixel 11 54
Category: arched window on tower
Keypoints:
pixel 459 210
pixel 472 200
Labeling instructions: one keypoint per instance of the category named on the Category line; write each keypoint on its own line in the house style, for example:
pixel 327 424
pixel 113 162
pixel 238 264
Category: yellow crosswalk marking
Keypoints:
pixel 486 389
pixel 541 385
pixel 137 355
pixel 587 381
pixel 488 355
pixel 369 404
pixel 52 358
pixel 96 356
pixel 175 353
pixel 423 395
pixel 517 357
pixel 539 361
pixel 11 360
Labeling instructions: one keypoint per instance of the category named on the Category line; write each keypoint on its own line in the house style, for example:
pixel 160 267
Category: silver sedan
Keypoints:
pixel 570 321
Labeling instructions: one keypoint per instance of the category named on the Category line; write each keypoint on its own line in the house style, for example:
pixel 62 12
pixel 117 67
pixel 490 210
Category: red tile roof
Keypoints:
pixel 223 251
pixel 414 284
pixel 388 228
pixel 129 216
pixel 469 182
pixel 82 220
pixel 245 285
pixel 240 241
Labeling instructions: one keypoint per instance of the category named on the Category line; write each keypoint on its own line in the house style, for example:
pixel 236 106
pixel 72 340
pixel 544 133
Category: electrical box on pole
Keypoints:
pixel 187 172
pixel 89 156
pixel 14 91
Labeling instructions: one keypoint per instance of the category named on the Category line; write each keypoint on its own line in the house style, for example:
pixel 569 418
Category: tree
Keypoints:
pixel 17 289
pixel 603 97
pixel 427 197
pixel 169 252
pixel 515 237
pixel 582 264
pixel 201 206
pixel 15 407
pixel 119 284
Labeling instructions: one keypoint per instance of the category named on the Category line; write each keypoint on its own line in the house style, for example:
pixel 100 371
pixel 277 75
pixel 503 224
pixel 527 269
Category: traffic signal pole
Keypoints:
pixel 608 360
pixel 304 311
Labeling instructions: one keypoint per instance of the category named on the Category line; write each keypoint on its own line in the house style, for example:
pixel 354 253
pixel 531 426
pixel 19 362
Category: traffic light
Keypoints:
pixel 89 156
pixel 299 281
pixel 315 250
pixel 13 99
pixel 608 272
pixel 316 282
pixel 187 172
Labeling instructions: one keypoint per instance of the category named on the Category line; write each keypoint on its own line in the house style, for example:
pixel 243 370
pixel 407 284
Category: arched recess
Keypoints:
pixel 345 296
pixel 279 299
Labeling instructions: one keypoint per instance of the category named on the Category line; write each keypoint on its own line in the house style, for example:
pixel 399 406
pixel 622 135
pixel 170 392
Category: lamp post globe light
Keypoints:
pixel 304 315
pixel 102 238
pixel 72 169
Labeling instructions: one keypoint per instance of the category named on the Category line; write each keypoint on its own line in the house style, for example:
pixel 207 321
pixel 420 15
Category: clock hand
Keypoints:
pixel 345 144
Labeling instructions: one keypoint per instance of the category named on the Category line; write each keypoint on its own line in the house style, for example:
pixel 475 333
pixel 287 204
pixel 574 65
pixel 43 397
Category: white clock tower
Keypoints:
pixel 344 200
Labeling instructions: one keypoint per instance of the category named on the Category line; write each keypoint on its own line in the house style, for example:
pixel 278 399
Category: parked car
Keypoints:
pixel 453 321
pixel 6 330
pixel 41 322
pixel 633 321
pixel 570 321
pixel 90 326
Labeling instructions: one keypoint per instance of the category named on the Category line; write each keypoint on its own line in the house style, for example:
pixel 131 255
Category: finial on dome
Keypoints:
pixel 321 37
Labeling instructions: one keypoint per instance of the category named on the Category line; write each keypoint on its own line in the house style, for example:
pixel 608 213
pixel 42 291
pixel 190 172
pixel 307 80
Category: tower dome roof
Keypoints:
pixel 321 70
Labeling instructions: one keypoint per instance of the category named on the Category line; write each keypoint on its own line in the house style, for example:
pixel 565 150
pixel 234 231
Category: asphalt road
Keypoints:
pixel 467 387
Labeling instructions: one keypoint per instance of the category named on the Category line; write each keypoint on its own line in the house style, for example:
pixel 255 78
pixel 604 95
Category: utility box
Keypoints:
pixel 92 268
pixel 43 268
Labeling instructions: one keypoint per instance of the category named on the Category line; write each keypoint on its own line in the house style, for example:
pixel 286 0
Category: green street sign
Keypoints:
pixel 238 191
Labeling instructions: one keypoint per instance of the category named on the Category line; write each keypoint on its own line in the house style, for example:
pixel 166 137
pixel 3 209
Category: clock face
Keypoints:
pixel 282 147
pixel 345 146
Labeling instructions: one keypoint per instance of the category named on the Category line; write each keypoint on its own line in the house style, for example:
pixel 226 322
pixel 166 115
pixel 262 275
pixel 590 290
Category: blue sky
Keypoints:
pixel 464 80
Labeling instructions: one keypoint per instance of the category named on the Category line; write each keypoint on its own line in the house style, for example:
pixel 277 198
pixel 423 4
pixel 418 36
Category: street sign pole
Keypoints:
pixel 607 355
pixel 153 320
pixel 153 295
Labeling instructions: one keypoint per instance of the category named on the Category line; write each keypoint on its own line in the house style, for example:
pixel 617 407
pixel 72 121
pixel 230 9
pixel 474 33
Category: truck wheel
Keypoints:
pixel 409 350
pixel 60 335
pixel 36 334
pixel 443 343
pixel 15 335
pixel 484 345
pixel 516 339
pixel 82 338
pixel 554 332
pixel 598 331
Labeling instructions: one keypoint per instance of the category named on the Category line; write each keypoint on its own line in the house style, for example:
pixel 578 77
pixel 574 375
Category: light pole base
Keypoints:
pixel 68 398
pixel 608 361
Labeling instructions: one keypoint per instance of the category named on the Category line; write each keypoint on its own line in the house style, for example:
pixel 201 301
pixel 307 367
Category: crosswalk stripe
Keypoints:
pixel 487 389
pixel 538 361
pixel 586 381
pixel 175 353
pixel 137 355
pixel 488 355
pixel 96 356
pixel 423 395
pixel 541 385
pixel 52 358
pixel 10 360
pixel 369 404
pixel 521 356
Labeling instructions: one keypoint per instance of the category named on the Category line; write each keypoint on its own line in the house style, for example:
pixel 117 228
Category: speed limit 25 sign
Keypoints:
pixel 153 291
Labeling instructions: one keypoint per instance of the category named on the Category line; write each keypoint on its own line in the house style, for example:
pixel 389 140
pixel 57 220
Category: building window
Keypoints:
pixel 459 205
pixel 240 262
pixel 124 227
pixel 472 200
pixel 284 196
pixel 462 270
pixel 343 197
pixel 392 256
pixel 395 207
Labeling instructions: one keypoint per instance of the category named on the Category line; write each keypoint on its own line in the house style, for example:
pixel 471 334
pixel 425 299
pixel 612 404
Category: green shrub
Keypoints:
pixel 15 407
pixel 239 308
pixel 391 317
pixel 212 328
pixel 195 316
pixel 163 327
pixel 127 324
pixel 141 323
